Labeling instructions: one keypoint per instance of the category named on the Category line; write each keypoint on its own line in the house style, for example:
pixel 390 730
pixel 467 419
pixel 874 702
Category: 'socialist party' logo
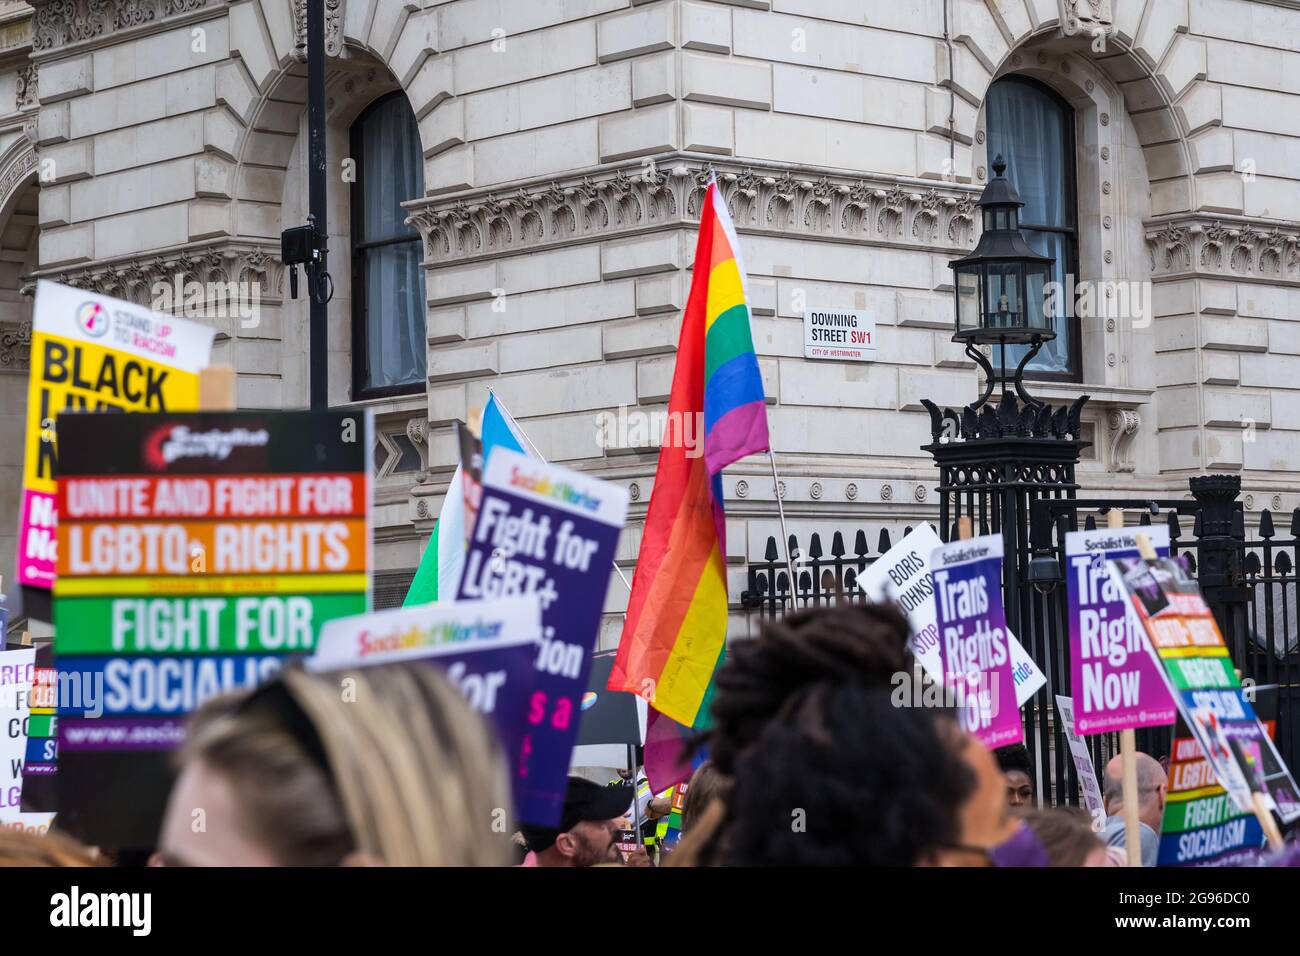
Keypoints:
pixel 172 442
pixel 93 319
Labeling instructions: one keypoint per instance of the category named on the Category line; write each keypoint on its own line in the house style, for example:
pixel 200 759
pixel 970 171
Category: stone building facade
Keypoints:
pixel 559 151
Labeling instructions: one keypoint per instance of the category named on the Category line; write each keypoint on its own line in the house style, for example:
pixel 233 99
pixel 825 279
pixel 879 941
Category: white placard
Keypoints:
pixel 17 671
pixel 427 630
pixel 843 336
pixel 1089 787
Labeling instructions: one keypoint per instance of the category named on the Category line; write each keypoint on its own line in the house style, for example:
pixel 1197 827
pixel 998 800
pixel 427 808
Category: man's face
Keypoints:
pixel 591 842
pixel 986 820
pixel 1020 791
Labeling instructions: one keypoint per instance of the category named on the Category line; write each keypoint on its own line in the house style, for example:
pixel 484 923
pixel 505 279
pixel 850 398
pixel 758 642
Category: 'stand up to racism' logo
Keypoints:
pixel 169 443
pixel 92 319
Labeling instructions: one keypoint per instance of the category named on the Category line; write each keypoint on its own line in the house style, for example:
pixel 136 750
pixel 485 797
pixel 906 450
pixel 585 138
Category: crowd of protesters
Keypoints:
pixel 809 763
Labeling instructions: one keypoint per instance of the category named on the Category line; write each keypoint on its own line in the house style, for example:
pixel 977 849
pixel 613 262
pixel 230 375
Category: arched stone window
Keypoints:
pixel 388 337
pixel 1032 126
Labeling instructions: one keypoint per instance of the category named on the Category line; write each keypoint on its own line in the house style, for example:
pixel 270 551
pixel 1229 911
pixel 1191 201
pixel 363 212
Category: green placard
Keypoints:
pixel 1198 813
pixel 208 624
pixel 1194 673
pixel 41 725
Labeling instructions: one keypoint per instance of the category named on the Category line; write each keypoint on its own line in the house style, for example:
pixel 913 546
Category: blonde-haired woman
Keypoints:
pixel 377 765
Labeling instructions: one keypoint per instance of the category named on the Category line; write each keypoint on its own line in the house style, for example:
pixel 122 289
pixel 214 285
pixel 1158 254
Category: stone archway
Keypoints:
pixel 1146 123
pixel 19 231
pixel 1152 62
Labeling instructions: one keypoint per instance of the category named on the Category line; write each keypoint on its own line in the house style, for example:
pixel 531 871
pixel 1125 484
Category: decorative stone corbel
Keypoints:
pixel 1092 18
pixel 333 29
pixel 1122 426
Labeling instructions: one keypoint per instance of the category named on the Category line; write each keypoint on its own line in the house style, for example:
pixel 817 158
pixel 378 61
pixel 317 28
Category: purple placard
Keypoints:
pixel 974 640
pixel 1115 680
pixel 487 648
pixel 552 532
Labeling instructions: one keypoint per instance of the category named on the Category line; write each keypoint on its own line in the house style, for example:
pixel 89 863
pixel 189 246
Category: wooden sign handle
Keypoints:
pixel 1128 757
pixel 217 388
pixel 1266 821
pixel 965 529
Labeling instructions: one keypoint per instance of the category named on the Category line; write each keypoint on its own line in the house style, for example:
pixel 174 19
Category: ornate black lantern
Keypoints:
pixel 1001 289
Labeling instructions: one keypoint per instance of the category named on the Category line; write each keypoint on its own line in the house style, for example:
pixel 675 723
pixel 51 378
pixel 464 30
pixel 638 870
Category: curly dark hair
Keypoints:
pixel 826 770
pixel 1014 757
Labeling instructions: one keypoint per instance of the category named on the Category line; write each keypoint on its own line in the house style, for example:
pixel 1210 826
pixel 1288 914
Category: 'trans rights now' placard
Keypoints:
pixel 974 642
pixel 902 574
pixel 197 552
pixel 545 530
pixel 1116 681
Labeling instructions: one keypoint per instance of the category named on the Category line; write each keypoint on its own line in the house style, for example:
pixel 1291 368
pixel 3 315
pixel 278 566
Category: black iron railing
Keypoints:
pixel 1012 472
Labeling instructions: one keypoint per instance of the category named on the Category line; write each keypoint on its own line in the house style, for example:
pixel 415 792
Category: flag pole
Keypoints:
pixel 785 534
pixel 617 570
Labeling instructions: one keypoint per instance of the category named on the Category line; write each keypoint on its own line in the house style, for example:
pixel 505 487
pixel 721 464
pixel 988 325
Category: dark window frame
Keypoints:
pixel 357 250
pixel 1069 148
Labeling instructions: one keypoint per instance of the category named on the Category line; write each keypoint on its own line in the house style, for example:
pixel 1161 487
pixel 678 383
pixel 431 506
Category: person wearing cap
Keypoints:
pixel 588 828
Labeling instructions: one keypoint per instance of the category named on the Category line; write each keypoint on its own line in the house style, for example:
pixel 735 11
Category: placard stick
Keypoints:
pixel 965 529
pixel 217 388
pixel 1128 739
pixel 636 807
pixel 785 535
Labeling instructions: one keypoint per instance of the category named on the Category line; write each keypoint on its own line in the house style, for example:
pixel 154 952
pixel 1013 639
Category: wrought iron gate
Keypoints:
pixel 1012 471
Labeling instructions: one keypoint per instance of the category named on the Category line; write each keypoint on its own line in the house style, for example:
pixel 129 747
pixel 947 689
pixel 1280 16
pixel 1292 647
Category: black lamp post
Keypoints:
pixel 1000 290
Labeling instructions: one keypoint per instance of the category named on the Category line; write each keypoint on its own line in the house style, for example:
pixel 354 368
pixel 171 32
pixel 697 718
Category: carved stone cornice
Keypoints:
pixel 15 33
pixel 637 198
pixel 134 278
pixel 15 346
pixel 57 23
pixel 1237 249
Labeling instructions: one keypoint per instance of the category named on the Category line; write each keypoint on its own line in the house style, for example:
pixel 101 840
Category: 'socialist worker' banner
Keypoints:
pixel 196 553
pixel 902 574
pixel 545 530
pixel 489 649
pixel 1117 683
pixel 91 352
pixel 974 644
pixel 1198 671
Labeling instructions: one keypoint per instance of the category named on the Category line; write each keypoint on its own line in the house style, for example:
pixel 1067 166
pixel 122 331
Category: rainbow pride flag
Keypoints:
pixel 675 632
